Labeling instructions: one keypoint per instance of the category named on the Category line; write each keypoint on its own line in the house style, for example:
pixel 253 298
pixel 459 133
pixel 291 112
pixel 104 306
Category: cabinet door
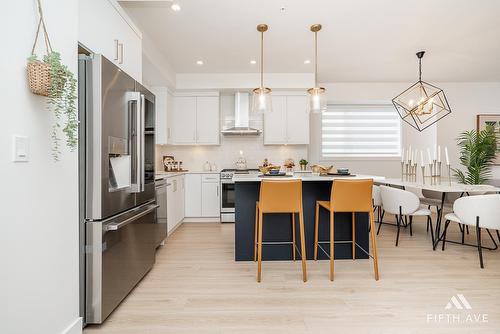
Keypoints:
pixel 171 202
pixel 193 195
pixel 207 120
pixel 181 205
pixel 297 120
pixel 184 120
pixel 274 122
pixel 210 202
pixel 161 100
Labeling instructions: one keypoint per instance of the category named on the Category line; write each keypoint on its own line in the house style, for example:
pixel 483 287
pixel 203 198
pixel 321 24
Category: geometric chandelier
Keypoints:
pixel 422 104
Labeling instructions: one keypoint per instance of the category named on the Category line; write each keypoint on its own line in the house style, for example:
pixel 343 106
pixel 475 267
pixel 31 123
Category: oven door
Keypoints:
pixel 227 197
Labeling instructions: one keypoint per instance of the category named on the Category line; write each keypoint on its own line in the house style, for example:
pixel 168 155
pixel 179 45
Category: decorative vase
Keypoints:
pixel 303 167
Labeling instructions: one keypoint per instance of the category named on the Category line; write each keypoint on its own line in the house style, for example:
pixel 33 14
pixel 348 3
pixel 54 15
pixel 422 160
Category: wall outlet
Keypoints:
pixel 20 148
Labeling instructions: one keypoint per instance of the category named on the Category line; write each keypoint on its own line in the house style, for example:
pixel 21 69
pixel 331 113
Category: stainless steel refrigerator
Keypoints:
pixel 118 208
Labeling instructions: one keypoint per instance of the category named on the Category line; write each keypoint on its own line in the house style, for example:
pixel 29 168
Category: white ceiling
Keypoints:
pixel 361 40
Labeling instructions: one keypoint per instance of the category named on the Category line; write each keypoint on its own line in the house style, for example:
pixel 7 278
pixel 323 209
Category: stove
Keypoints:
pixel 227 174
pixel 228 193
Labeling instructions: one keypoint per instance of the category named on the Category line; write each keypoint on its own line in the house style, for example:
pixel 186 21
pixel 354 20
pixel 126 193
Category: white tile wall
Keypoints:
pixel 224 155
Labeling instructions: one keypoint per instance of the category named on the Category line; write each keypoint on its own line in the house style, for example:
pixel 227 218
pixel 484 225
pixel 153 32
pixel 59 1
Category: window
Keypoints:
pixel 360 131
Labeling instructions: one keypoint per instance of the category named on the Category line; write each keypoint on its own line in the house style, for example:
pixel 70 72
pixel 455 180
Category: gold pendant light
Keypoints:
pixel 317 95
pixel 262 95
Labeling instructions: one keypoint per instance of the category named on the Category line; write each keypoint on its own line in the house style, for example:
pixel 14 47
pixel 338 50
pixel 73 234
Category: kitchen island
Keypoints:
pixel 277 227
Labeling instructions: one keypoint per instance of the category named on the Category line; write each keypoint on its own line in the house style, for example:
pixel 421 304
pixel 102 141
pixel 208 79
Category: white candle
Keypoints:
pixel 439 153
pixel 403 155
pixel 241 153
pixel 435 152
pixel 422 158
pixel 429 155
pixel 414 157
pixel 409 153
pixel 447 156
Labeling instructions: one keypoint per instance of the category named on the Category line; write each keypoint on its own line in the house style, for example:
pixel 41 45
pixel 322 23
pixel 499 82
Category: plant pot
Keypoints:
pixel 303 167
pixel 40 77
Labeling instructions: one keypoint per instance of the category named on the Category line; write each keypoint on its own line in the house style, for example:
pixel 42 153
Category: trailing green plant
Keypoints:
pixel 477 152
pixel 62 101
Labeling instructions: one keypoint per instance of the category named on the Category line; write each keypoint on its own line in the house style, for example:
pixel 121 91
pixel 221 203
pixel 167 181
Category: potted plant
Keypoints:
pixel 477 152
pixel 303 164
pixel 51 78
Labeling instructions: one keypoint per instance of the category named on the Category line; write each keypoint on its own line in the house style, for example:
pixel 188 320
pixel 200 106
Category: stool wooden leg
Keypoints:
pixel 316 222
pixel 256 232
pixel 303 245
pixel 354 235
pixel 332 236
pixel 374 246
pixel 293 236
pixel 259 249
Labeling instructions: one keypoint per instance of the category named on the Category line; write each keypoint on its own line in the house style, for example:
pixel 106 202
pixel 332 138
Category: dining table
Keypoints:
pixel 445 187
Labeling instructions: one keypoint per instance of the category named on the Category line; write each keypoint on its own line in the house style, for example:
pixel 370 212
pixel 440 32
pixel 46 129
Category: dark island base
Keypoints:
pixel 278 227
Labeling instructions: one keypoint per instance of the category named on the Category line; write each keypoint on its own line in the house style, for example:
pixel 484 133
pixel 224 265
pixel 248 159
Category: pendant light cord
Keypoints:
pixel 261 59
pixel 316 59
pixel 419 69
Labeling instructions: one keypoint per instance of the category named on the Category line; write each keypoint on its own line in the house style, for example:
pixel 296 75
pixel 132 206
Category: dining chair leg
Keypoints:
pixel 316 221
pixel 498 236
pixel 446 224
pixel 411 226
pixel 467 228
pixel 479 248
pixel 293 236
pixel 354 236
pixel 429 222
pixel 380 221
pixel 259 249
pixel 374 247
pixel 256 228
pixel 332 240
pixel 399 220
pixel 463 234
pixel 303 245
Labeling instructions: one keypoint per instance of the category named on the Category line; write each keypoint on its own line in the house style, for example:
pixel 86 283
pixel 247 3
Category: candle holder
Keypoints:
pixel 423 174
pixel 408 171
pixel 449 174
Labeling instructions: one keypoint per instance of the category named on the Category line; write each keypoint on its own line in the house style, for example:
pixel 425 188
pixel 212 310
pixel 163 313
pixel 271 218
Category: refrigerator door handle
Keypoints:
pixel 136 133
pixel 116 226
pixel 142 140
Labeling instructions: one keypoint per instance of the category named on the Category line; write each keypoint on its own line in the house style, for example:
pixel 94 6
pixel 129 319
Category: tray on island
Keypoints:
pixel 338 174
pixel 275 175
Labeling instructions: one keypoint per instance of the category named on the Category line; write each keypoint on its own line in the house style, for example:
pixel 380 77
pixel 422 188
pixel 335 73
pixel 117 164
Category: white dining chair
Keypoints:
pixel 404 203
pixel 481 211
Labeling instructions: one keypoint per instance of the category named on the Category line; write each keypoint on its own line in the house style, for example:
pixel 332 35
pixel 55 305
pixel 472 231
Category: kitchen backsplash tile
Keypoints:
pixel 224 155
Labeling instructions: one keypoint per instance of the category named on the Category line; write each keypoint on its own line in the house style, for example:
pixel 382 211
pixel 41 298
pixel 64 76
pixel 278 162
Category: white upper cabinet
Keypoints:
pixel 161 110
pixel 105 28
pixel 195 119
pixel 184 120
pixel 288 123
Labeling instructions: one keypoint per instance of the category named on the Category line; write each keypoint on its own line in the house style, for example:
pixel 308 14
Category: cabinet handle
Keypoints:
pixel 121 53
pixel 116 49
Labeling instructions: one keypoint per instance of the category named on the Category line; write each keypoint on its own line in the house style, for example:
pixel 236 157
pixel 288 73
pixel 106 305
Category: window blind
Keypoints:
pixel 360 131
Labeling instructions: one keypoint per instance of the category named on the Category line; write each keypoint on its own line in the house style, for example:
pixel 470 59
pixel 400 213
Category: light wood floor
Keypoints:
pixel 197 287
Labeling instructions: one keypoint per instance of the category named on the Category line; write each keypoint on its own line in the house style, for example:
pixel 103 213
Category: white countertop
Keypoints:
pixel 444 187
pixel 166 175
pixel 257 178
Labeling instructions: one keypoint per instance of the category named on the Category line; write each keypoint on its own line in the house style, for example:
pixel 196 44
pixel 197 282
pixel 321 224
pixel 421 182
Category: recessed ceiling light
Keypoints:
pixel 253 62
pixel 175 7
pixel 199 62
pixel 307 61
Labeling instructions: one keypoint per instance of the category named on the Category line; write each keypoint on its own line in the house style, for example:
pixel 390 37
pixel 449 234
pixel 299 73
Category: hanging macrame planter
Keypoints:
pixel 49 77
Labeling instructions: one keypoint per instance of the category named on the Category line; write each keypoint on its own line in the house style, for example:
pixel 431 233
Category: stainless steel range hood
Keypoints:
pixel 241 120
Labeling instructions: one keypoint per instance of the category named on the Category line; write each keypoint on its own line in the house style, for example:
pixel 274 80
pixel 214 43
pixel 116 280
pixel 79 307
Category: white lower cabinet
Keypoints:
pixel 202 195
pixel 175 201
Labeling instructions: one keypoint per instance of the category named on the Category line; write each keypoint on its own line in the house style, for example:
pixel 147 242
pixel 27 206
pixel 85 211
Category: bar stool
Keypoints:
pixel 347 196
pixel 278 196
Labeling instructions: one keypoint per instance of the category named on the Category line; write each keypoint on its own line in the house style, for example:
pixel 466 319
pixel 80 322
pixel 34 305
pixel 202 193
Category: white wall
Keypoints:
pixel 39 198
pixel 467 100
pixel 369 93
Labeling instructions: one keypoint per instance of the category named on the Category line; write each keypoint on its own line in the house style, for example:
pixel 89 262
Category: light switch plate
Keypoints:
pixel 20 148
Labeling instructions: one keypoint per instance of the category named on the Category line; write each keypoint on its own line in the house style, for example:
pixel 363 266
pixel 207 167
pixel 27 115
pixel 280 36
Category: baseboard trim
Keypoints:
pixel 201 220
pixel 75 328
